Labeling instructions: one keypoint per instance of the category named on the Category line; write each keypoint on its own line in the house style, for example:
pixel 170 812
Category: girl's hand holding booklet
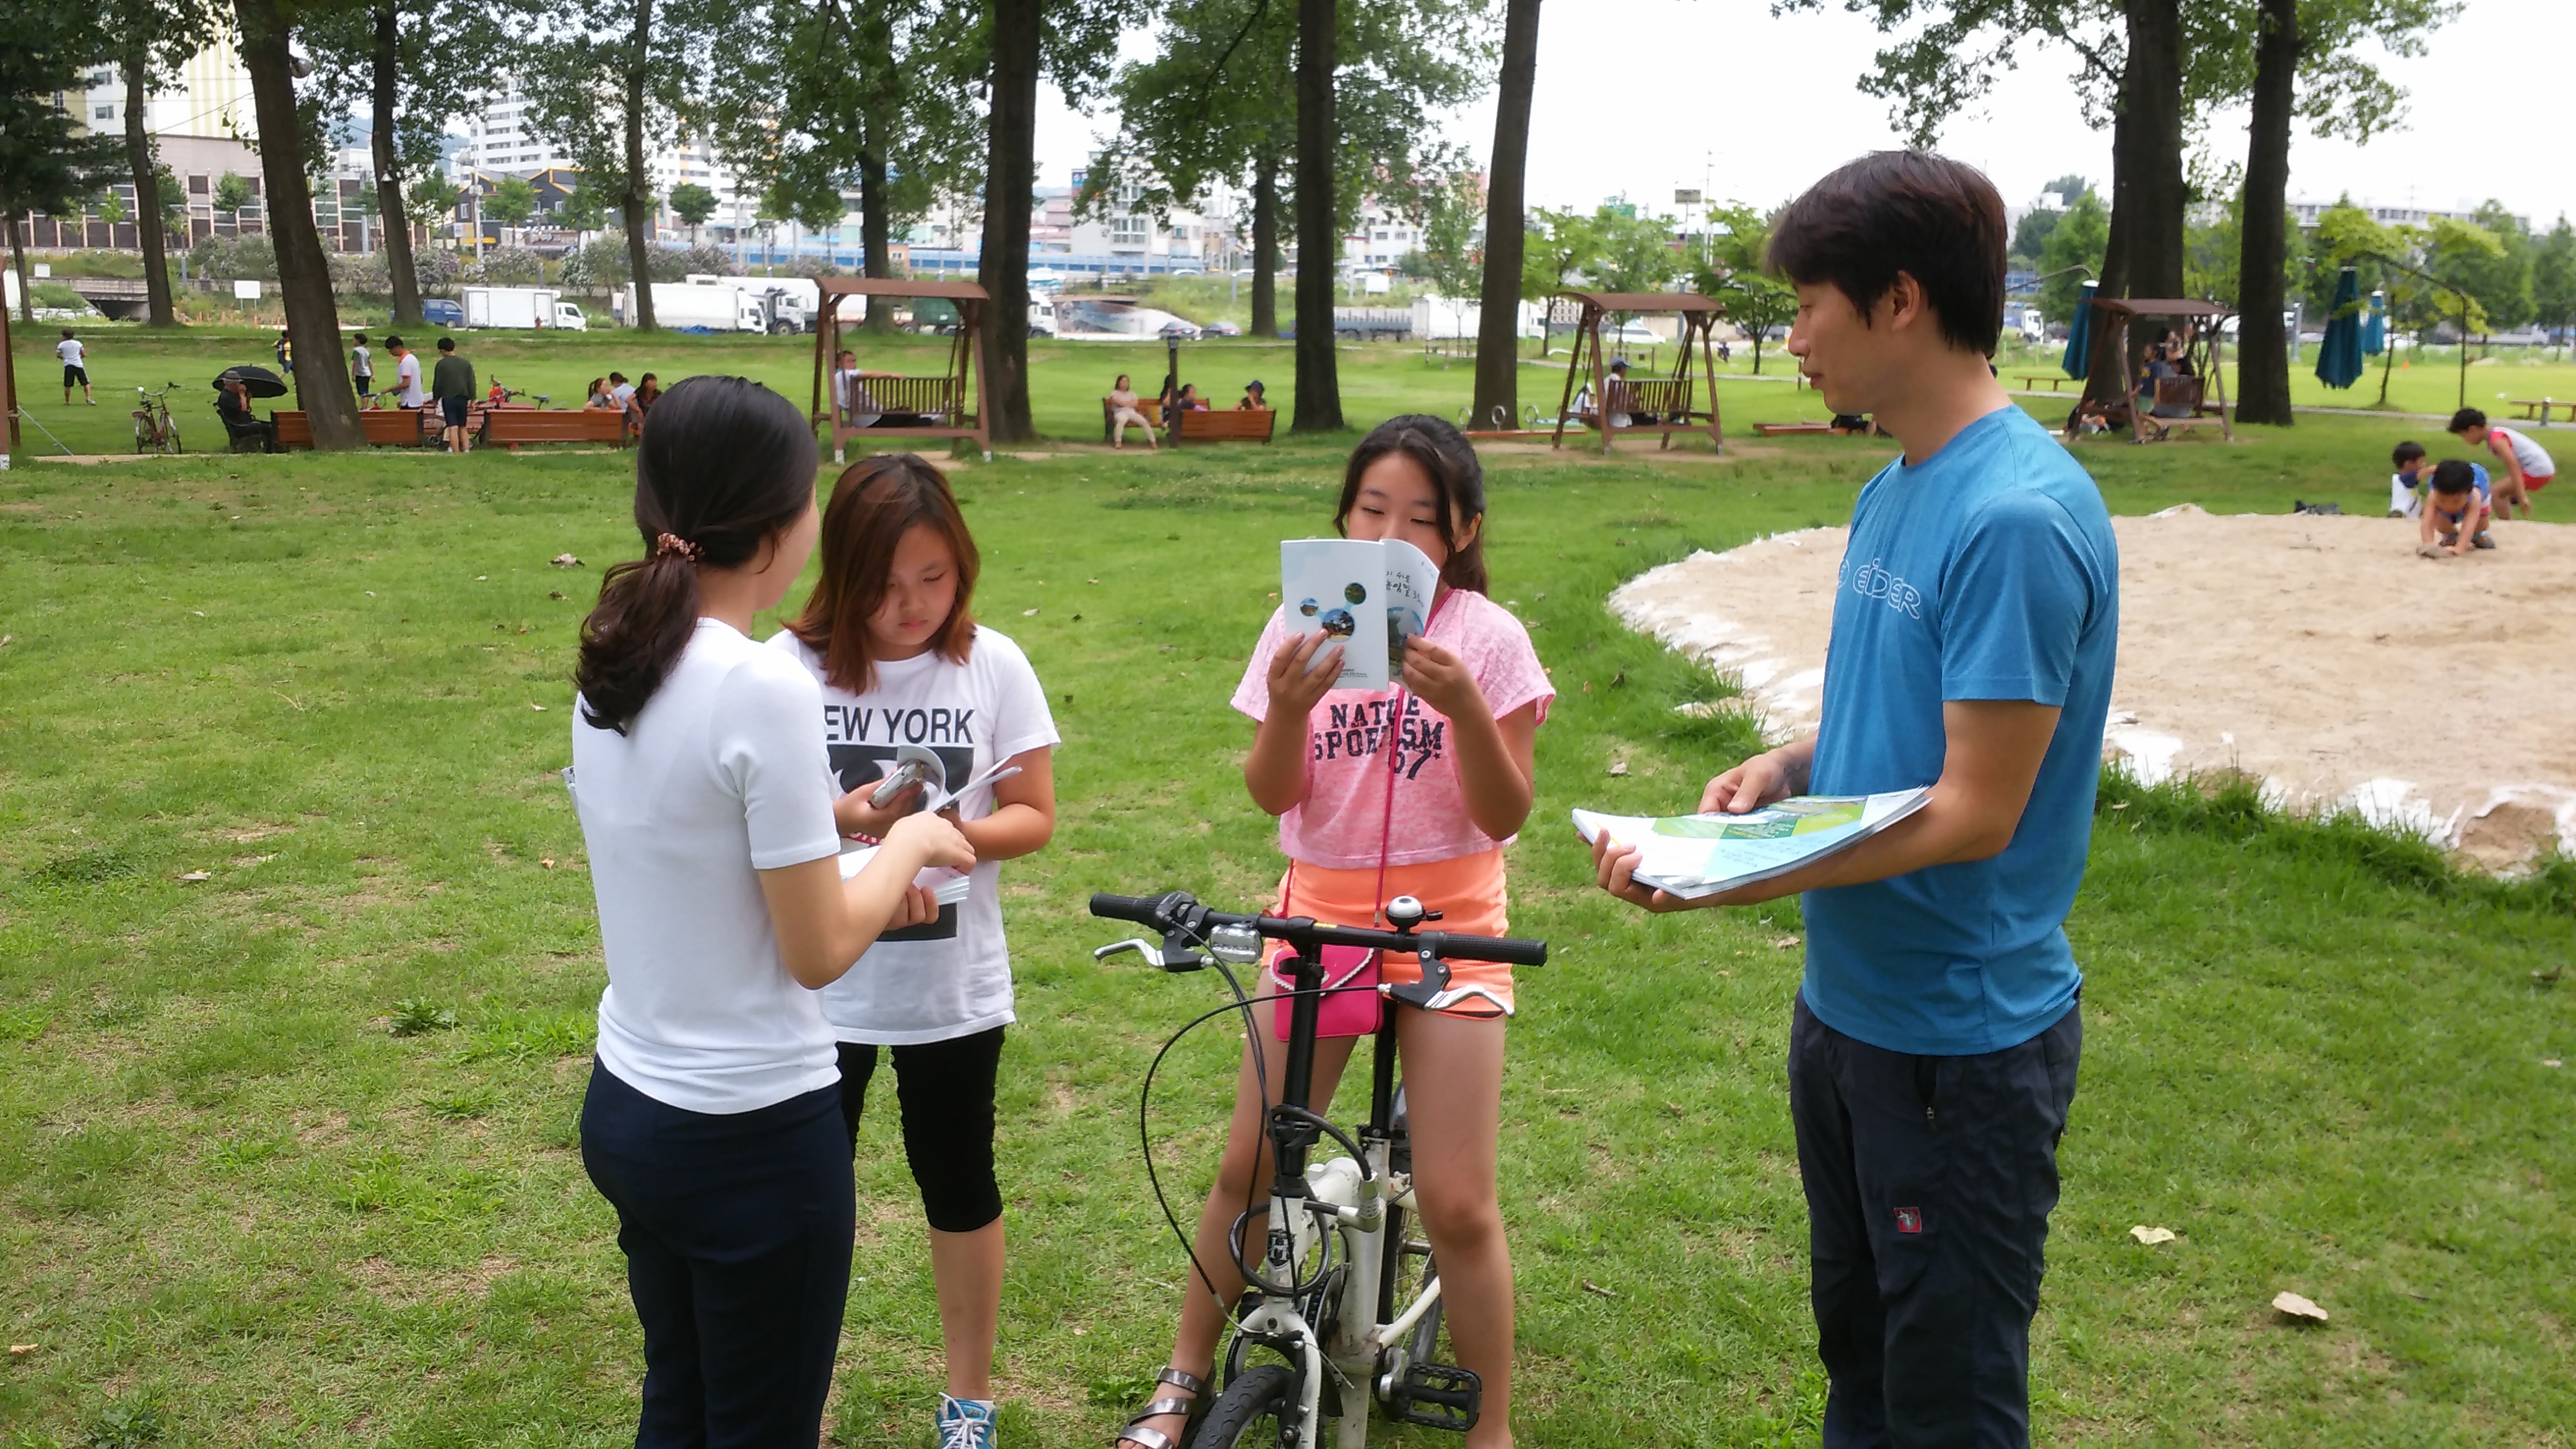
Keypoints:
pixel 1690 856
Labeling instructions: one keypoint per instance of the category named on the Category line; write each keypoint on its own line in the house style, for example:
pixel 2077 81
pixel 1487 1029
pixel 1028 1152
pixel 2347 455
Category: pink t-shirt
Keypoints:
pixel 1345 813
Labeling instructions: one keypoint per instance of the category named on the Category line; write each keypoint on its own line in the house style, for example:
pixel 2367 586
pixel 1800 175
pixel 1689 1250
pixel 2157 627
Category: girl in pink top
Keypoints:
pixel 1454 745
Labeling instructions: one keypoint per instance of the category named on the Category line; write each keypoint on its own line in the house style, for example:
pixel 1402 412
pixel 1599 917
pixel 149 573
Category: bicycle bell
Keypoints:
pixel 1235 945
pixel 1404 913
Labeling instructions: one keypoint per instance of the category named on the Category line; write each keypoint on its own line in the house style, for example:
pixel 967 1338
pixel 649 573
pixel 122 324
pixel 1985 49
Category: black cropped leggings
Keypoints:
pixel 945 1091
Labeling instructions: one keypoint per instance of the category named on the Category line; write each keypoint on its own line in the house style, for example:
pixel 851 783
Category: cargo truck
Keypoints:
pixel 715 305
pixel 520 308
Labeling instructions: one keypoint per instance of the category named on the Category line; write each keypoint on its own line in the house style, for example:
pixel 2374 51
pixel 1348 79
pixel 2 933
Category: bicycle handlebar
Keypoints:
pixel 1179 912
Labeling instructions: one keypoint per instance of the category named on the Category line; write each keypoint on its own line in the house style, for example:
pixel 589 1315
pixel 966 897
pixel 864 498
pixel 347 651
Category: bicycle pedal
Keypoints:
pixel 1438 1396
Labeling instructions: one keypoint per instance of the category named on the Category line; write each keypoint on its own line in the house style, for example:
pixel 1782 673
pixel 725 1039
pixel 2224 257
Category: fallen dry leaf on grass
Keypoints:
pixel 564 561
pixel 198 875
pixel 2151 1236
pixel 539 708
pixel 1591 1287
pixel 548 862
pixel 1785 943
pixel 1028 613
pixel 17 1349
pixel 2297 1307
pixel 1618 767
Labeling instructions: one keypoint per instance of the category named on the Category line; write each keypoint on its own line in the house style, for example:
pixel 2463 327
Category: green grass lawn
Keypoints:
pixel 240 1209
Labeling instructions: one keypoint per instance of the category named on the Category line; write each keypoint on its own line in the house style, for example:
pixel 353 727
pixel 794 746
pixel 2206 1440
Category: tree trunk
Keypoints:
pixel 637 202
pixel 1498 341
pixel 329 399
pixel 1010 178
pixel 2152 107
pixel 1265 246
pixel 875 257
pixel 19 227
pixel 1319 240
pixel 2102 382
pixel 2262 354
pixel 147 195
pixel 392 218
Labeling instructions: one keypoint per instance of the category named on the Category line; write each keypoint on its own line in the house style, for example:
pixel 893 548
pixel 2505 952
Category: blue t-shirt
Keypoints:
pixel 1987 571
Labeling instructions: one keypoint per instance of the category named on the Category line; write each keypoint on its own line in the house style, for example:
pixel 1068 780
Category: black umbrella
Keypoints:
pixel 261 381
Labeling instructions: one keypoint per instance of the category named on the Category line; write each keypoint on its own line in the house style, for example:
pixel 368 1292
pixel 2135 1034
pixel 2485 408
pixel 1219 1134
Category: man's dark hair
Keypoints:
pixel 2465 419
pixel 392 341
pixel 1936 220
pixel 447 344
pixel 2407 453
pixel 67 332
pixel 2454 475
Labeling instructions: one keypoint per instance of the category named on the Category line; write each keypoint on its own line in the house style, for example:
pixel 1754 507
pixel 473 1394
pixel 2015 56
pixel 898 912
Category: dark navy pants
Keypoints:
pixel 1929 1184
pixel 737 1234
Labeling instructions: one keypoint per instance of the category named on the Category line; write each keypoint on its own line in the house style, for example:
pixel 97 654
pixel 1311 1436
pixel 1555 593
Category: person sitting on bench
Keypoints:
pixel 1254 399
pixel 1617 396
pixel 858 408
pixel 232 401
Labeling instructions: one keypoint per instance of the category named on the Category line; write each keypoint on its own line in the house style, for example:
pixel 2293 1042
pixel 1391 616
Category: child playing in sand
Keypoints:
pixel 2456 512
pixel 2527 466
pixel 2403 499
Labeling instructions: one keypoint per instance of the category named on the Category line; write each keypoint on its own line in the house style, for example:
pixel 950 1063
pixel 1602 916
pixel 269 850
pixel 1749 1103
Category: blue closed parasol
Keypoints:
pixel 2339 359
pixel 2374 328
pixel 2079 336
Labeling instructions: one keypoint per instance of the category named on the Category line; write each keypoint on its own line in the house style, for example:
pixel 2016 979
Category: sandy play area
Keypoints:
pixel 2318 653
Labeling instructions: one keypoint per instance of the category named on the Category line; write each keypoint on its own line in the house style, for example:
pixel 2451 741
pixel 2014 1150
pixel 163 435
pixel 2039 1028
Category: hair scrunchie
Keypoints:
pixel 673 543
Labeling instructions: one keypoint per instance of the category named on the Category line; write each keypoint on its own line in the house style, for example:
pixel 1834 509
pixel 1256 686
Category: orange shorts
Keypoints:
pixel 1467 891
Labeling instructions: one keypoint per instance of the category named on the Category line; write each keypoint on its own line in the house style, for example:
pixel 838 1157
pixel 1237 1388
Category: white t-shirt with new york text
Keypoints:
pixel 950 977
pixel 719 777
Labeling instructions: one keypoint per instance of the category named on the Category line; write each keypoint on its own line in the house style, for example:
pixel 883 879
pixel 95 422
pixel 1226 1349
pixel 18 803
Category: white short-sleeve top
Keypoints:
pixel 721 776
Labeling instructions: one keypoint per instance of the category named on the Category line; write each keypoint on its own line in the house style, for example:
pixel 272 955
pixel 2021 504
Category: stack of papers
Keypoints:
pixel 1700 855
pixel 946 886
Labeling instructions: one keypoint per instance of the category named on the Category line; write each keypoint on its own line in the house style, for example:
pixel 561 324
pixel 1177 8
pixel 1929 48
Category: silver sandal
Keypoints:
pixel 1191 1408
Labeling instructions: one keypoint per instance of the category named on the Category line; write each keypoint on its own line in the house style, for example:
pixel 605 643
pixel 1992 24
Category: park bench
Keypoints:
pixel 1667 400
pixel 2030 381
pixel 1783 430
pixel 509 427
pixel 383 427
pixel 1225 425
pixel 2536 409
pixel 1151 407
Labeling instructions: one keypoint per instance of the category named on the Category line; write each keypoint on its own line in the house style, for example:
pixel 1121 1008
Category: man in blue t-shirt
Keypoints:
pixel 1932 1055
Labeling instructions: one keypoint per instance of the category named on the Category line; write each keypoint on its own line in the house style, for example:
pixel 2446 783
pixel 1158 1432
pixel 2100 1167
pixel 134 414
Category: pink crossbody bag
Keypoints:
pixel 1351 1004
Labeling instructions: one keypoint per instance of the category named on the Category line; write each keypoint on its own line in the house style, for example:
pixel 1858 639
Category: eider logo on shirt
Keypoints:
pixel 1872 581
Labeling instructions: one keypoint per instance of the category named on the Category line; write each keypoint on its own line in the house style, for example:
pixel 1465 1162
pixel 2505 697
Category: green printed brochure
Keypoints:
pixel 1699 855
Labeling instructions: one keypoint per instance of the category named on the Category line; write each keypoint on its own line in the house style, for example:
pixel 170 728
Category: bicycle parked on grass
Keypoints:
pixel 155 431
pixel 1345 1302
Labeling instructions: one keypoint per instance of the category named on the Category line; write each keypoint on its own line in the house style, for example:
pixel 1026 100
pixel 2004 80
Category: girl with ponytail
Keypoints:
pixel 712 1122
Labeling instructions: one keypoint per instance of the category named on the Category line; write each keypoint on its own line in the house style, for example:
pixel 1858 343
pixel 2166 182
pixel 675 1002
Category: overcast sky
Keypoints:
pixel 1752 108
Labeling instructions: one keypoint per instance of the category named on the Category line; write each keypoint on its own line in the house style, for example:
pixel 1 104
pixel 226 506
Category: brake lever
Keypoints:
pixel 1165 956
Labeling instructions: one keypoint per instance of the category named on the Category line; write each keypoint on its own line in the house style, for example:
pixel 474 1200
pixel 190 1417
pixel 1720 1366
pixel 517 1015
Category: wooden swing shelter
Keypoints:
pixel 2204 393
pixel 945 403
pixel 1651 404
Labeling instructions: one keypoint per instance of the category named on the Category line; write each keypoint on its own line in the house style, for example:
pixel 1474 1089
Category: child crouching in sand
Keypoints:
pixel 2456 513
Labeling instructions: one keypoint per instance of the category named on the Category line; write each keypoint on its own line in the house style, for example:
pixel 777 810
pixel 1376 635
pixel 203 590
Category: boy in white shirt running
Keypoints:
pixel 75 368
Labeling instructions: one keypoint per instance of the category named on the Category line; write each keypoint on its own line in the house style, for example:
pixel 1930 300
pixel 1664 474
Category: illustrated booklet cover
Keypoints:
pixel 1699 855
pixel 1370 595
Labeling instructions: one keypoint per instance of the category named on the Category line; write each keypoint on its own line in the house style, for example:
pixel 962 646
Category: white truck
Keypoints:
pixel 521 308
pixel 715 304
pixel 791 303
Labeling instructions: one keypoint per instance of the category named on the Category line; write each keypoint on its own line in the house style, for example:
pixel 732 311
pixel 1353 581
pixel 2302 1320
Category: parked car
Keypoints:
pixel 1185 331
pixel 442 312
pixel 1223 329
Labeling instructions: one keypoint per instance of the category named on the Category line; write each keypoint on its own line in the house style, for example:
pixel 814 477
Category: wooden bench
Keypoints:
pixel 1226 425
pixel 383 427
pixel 1665 399
pixel 2537 409
pixel 2030 381
pixel 1779 430
pixel 509 427
pixel 1151 407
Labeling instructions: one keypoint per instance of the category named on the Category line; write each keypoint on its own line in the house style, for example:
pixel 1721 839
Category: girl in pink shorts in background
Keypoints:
pixel 1454 746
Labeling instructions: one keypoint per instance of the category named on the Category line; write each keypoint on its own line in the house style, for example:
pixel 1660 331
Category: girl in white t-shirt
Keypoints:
pixel 889 637
pixel 712 1118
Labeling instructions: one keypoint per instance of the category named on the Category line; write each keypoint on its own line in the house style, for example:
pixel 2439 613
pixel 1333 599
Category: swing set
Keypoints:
pixel 930 407
pixel 1656 404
